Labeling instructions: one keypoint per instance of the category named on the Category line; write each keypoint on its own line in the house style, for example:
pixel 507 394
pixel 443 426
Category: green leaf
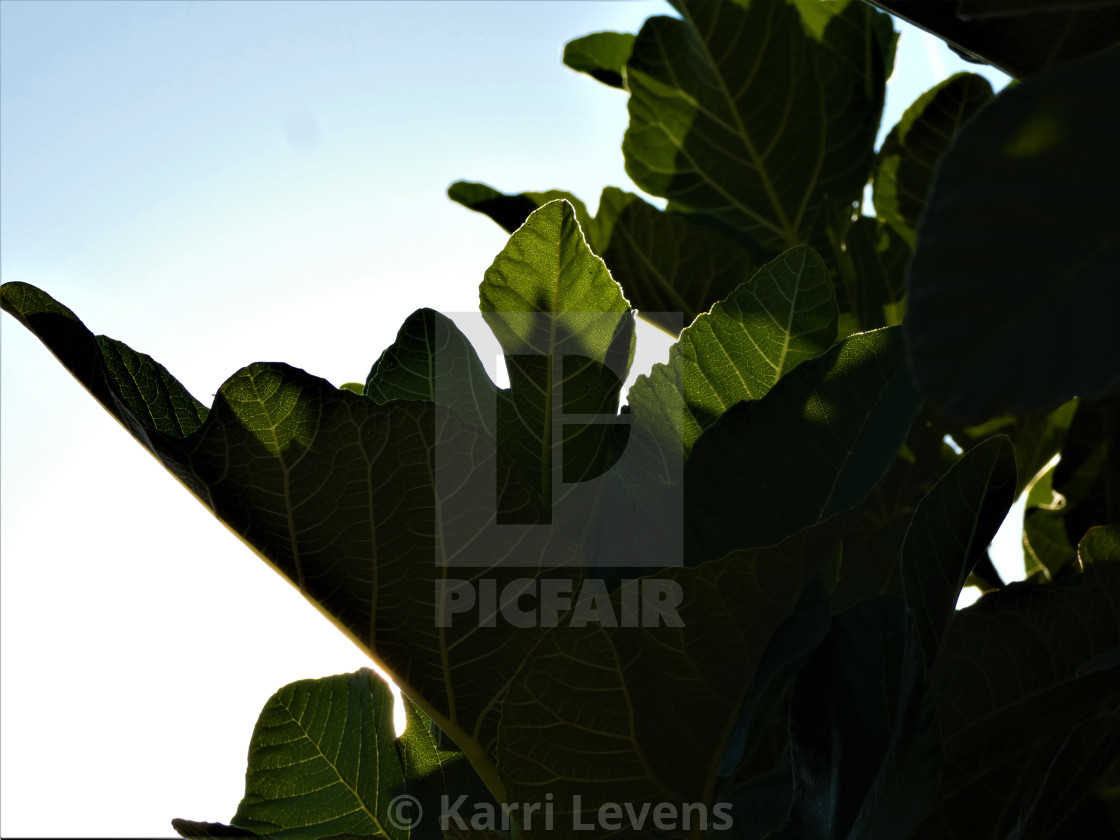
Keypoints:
pixel 671 266
pixel 737 110
pixel 950 533
pixel 435 774
pixel 432 361
pixel 601 55
pixel 367 508
pixel 1016 672
pixel 1046 547
pixel 1036 435
pixel 621 703
pixel 568 337
pixel 909 155
pixel 785 314
pixel 548 269
pixel 1088 475
pixel 1099 549
pixel 509 210
pixel 814 446
pixel 876 289
pixel 1081 491
pixel 364 545
pixel 323 760
pixel 126 382
pixel 817 15
pixel 1012 297
pixel 144 384
pixel 867 766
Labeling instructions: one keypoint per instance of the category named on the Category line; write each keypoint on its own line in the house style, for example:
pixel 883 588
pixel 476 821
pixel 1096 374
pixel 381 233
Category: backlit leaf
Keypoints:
pixel 737 110
pixel 432 361
pixel 601 55
pixel 786 313
pixel 568 337
pixel 323 760
pixel 671 267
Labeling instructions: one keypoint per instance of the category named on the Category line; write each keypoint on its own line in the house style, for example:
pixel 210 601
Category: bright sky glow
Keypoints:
pixel 217 184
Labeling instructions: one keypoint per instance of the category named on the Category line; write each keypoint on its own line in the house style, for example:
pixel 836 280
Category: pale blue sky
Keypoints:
pixel 216 184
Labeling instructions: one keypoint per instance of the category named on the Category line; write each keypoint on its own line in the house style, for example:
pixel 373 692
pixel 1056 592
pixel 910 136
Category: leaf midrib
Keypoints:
pixel 334 767
pixel 783 228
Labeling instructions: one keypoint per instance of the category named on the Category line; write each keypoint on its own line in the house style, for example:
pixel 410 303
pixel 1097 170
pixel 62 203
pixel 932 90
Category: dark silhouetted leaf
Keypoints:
pixel 1016 672
pixel 864 766
pixel 999 256
pixel 814 446
pixel 761 732
pixel 873 539
pixel 1081 491
pixel 608 693
pixel 875 289
pixel 978 9
pixel 757 807
pixel 909 155
pixel 511 211
pixel 1066 804
pixel 950 532
pixel 1019 44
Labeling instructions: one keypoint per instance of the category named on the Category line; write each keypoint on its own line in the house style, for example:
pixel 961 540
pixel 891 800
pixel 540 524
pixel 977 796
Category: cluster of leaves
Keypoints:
pixel 787 471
